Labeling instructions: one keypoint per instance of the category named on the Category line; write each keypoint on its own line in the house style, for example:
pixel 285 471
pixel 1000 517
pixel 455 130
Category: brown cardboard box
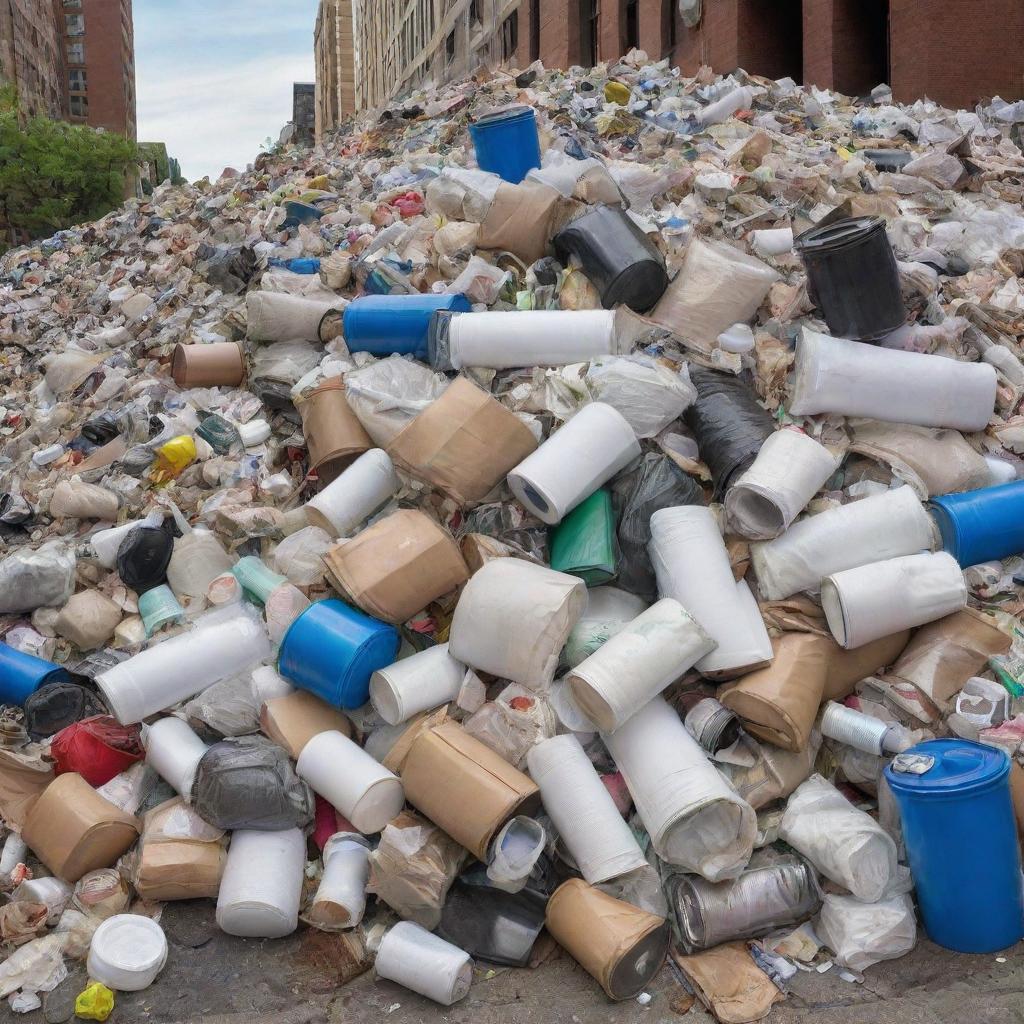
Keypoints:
pixel 398 566
pixel 463 444
pixel 74 830
pixel 464 787
pixel 334 437
pixel 292 721
pixel 522 220
pixel 23 777
pixel 621 946
pixel 173 868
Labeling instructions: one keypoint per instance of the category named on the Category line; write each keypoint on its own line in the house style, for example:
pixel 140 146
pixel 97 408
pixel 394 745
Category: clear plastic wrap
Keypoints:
pixel 647 393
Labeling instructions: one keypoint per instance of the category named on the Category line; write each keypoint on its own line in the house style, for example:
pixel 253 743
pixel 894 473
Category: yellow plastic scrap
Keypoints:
pixel 616 92
pixel 172 458
pixel 95 1002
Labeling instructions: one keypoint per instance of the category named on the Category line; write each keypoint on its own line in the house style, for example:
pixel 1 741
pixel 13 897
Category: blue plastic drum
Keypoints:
pixel 507 143
pixel 980 526
pixel 22 674
pixel 961 837
pixel 386 324
pixel 331 650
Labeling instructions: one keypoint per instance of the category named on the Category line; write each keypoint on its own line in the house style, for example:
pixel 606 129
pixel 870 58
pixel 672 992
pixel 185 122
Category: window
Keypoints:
pixel 632 25
pixel 449 47
pixel 73 4
pixel 76 53
pixel 76 80
pixel 588 32
pixel 670 13
pixel 74 24
pixel 535 30
pixel 79 106
pixel 510 36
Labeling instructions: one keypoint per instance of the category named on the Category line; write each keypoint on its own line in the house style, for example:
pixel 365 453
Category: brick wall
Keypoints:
pixel 110 65
pixel 32 55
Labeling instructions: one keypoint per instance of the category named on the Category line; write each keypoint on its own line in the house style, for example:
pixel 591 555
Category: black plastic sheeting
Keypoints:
pixel 250 783
pixel 55 706
pixel 727 422
pixel 656 483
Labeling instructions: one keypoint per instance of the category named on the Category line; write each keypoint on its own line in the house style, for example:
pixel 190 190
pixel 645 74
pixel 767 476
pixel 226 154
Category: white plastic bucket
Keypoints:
pixel 340 900
pixel 574 462
pixel 424 963
pixel 582 810
pixel 349 779
pixel 647 655
pixel 174 751
pixel 127 952
pixel 692 566
pixel 365 486
pixel 262 884
pixel 423 681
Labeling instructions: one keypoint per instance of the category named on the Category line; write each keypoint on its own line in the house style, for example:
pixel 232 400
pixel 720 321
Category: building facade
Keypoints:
pixel 369 51
pixel 32 55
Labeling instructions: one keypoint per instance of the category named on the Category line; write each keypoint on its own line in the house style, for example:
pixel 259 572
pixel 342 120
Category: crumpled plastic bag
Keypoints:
pixel 512 724
pixel 250 782
pixel 647 393
pixel 22 921
pixel 229 708
pixel 863 934
pixel 389 393
pixel 479 282
pixel 36 579
pixel 299 557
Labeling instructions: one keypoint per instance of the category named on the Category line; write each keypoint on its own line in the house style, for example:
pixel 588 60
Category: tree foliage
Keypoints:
pixel 54 174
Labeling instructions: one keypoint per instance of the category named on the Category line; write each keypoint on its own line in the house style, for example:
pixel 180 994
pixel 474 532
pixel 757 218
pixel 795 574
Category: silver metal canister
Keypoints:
pixel 762 898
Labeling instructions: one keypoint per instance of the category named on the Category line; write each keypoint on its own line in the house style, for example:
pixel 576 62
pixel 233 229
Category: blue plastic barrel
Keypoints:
pixel 507 143
pixel 384 324
pixel 961 840
pixel 979 526
pixel 331 650
pixel 22 674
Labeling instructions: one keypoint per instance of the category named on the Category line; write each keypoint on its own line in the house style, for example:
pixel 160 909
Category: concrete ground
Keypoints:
pixel 212 978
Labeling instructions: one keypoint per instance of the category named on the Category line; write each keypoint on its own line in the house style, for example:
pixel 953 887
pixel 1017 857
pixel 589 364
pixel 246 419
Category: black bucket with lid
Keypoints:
pixel 852 277
pixel 620 261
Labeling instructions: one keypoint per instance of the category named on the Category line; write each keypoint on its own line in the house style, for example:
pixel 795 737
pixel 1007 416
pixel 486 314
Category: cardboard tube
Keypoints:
pixel 334 436
pixel 621 946
pixel 207 366
pixel 355 495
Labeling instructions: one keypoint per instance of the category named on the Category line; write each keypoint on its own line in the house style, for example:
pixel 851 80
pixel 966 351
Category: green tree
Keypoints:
pixel 53 174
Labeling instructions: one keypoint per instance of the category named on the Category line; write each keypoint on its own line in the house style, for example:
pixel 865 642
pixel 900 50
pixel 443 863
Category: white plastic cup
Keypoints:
pixel 365 486
pixel 340 900
pixel 174 751
pixel 423 681
pixel 424 963
pixel 350 780
pixel 261 888
pixel 574 461
pixel 127 952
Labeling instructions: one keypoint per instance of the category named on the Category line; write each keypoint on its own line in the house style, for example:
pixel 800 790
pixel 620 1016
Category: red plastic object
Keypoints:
pixel 327 821
pixel 98 748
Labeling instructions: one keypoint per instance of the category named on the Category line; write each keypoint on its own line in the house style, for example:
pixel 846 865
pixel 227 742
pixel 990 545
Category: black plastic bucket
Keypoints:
pixel 852 277
pixel 618 258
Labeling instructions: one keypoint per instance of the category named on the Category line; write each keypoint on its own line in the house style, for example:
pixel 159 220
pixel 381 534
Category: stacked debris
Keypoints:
pixel 587 501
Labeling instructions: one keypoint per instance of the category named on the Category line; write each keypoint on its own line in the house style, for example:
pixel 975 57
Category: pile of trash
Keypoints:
pixel 587 501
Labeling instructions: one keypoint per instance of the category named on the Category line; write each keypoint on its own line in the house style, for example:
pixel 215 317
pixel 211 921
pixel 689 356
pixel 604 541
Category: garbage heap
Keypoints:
pixel 587 501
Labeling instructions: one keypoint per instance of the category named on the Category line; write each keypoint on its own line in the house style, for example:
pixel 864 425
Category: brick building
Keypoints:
pixel 953 51
pixel 32 55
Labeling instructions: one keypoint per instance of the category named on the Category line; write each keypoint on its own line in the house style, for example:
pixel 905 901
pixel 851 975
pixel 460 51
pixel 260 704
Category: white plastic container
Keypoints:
pixel 881 598
pixel 424 963
pixel 340 900
pixel 722 109
pixel 873 528
pixel 513 618
pixel 789 470
pixel 850 378
pixel 349 779
pixel 772 241
pixel 582 810
pixel 502 341
pixel 127 952
pixel 575 461
pixel 254 433
pixel 423 681
pixel 365 486
pixel 692 566
pixel 262 884
pixel 174 751
pixel 694 817
pixel 648 654
pixel 514 853
pixel 221 644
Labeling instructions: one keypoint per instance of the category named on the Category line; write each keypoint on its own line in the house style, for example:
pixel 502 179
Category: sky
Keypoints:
pixel 214 77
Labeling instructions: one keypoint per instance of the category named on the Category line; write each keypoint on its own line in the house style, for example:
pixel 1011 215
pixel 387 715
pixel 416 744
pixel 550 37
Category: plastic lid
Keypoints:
pixel 517 110
pixel 837 234
pixel 957 766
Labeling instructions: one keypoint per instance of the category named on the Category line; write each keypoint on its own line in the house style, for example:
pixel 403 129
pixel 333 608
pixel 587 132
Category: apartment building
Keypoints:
pixel 32 55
